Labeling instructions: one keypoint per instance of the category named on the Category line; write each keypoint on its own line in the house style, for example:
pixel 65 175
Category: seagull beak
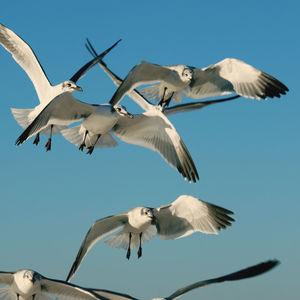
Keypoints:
pixel 153 220
pixel 129 115
pixel 79 89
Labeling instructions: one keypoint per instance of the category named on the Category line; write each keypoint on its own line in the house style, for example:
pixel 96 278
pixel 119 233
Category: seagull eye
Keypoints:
pixel 69 84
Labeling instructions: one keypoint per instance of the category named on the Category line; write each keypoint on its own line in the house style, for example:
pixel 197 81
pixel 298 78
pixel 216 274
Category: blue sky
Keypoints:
pixel 246 151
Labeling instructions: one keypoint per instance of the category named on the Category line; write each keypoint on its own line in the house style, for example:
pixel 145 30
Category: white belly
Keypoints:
pixel 101 121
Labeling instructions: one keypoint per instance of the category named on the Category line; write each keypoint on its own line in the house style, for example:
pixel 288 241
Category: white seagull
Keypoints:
pixel 143 102
pixel 225 77
pixel 30 285
pixel 25 57
pixel 241 274
pixel 184 216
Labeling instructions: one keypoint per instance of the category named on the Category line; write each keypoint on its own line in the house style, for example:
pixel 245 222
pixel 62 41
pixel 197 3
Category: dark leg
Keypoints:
pixel 48 144
pixel 166 102
pixel 37 139
pixel 162 100
pixel 83 143
pixel 33 296
pixel 140 248
pixel 18 296
pixel 91 148
pixel 128 251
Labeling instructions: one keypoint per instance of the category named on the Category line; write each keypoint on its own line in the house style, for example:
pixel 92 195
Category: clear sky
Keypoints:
pixel 246 151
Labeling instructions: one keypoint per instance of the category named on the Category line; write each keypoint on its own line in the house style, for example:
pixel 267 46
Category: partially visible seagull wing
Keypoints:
pixel 25 57
pixel 142 73
pixel 242 274
pixel 188 214
pixel 64 109
pixel 233 76
pixel 82 71
pixel 134 94
pixel 154 131
pixel 66 290
pixel 112 295
pixel 6 278
pixel 175 109
pixel 99 230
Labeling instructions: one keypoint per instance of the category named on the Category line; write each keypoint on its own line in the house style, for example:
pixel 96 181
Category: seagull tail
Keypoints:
pixel 22 116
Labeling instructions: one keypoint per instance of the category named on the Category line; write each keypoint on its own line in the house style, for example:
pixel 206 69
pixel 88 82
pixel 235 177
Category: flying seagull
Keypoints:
pixel 143 102
pixel 225 77
pixel 184 216
pixel 30 285
pixel 242 274
pixel 25 57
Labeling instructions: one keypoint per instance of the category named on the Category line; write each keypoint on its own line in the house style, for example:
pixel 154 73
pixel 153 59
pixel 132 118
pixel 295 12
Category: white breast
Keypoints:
pixel 101 120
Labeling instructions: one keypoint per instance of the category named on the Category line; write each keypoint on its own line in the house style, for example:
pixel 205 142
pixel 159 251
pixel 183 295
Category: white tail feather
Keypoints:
pixel 153 92
pixel 22 116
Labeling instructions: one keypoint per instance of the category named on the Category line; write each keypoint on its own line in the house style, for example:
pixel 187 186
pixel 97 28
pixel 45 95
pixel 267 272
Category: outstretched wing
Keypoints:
pixel 233 76
pixel 6 278
pixel 142 73
pixel 99 230
pixel 82 71
pixel 64 109
pixel 188 214
pixel 242 274
pixel 154 131
pixel 66 290
pixel 25 57
pixel 112 295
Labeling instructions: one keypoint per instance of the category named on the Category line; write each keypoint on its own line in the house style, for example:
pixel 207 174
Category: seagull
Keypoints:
pixel 30 285
pixel 242 274
pixel 65 109
pixel 186 215
pixel 25 57
pixel 225 77
pixel 143 102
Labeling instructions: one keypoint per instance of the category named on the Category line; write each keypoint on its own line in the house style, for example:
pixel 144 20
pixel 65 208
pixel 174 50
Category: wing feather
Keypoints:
pixel 99 230
pixel 154 131
pixel 187 214
pixel 25 57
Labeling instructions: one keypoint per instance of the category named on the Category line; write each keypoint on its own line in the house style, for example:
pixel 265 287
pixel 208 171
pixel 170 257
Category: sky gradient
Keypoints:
pixel 246 151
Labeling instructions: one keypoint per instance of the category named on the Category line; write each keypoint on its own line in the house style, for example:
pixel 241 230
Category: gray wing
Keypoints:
pixel 6 278
pixel 64 109
pixel 142 73
pixel 175 109
pixel 188 214
pixel 82 71
pixel 233 76
pixel 112 295
pixel 242 274
pixel 154 131
pixel 25 57
pixel 99 230
pixel 66 290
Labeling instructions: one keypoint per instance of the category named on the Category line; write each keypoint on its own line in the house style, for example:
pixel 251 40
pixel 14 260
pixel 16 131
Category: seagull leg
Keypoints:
pixel 18 296
pixel 33 296
pixel 162 101
pixel 48 144
pixel 37 139
pixel 91 148
pixel 83 143
pixel 140 248
pixel 128 251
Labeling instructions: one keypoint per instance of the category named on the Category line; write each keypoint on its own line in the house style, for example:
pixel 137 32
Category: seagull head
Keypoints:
pixel 31 276
pixel 121 110
pixel 70 86
pixel 147 212
pixel 187 74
